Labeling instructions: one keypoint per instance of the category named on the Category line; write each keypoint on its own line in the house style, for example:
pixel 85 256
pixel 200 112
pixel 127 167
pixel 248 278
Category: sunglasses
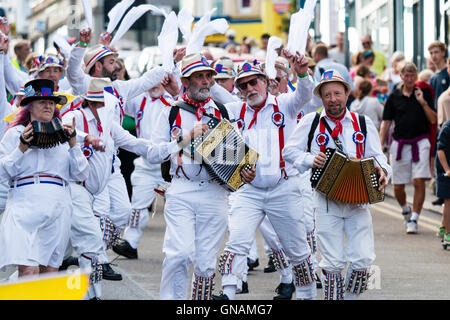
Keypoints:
pixel 253 82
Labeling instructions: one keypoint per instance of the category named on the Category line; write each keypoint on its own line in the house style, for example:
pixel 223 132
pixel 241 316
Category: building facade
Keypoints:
pixel 404 25
pixel 245 17
pixel 66 17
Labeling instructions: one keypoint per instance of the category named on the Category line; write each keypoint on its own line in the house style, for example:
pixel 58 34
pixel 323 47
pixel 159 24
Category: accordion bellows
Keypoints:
pixel 223 152
pixel 48 134
pixel 349 181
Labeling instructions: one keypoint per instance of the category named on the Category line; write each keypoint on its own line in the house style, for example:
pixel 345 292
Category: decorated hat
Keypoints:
pixel 94 54
pixel 50 60
pixel 249 68
pixel 96 88
pixel 224 68
pixel 331 76
pixel 194 62
pixel 41 89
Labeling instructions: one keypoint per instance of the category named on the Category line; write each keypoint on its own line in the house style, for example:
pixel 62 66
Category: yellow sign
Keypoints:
pixel 55 286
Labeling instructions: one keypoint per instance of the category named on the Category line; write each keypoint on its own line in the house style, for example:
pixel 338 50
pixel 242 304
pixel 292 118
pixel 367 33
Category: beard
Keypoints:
pixel 255 100
pixel 200 93
pixel 335 112
pixel 110 74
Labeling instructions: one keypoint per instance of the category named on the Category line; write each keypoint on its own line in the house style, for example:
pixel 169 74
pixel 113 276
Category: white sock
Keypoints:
pixel 285 275
pixel 415 216
pixel 230 291
pixel 405 208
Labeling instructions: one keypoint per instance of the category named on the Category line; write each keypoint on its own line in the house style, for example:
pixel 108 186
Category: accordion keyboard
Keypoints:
pixel 48 134
pixel 224 153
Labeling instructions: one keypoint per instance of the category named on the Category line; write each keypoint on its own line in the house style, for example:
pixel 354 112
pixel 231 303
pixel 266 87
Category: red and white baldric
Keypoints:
pixel 277 119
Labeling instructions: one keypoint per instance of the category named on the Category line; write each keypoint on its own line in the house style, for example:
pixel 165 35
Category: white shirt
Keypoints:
pixel 113 136
pixel 127 90
pixel 150 114
pixel 295 150
pixel 14 78
pixel 264 134
pixel 6 107
pixel 62 161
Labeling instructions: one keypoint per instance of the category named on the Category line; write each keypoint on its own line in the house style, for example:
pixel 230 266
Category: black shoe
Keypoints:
pixel 95 298
pixel 318 282
pixel 270 266
pixel 70 261
pixel 438 202
pixel 244 288
pixel 124 249
pixel 252 265
pixel 285 291
pixel 220 297
pixel 109 273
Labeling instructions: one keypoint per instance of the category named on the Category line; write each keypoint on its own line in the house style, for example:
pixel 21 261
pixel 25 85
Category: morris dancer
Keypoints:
pixel 334 219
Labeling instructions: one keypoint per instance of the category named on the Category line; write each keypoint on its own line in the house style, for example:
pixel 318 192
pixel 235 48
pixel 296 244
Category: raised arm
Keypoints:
pixel 79 81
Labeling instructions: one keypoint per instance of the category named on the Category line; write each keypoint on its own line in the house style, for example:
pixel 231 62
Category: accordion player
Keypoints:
pixel 349 181
pixel 223 152
pixel 48 134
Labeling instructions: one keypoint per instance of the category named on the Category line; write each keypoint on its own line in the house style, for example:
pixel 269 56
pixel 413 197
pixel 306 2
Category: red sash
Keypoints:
pixel 280 134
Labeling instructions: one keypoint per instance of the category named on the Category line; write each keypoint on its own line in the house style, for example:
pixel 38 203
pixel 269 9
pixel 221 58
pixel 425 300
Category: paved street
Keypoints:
pixel 407 267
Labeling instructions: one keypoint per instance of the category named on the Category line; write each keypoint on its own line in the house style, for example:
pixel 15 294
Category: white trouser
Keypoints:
pixel 86 236
pixel 196 221
pixel 144 179
pixel 333 221
pixel 120 205
pixel 308 210
pixel 281 204
pixel 4 188
pixel 101 209
pixel 112 209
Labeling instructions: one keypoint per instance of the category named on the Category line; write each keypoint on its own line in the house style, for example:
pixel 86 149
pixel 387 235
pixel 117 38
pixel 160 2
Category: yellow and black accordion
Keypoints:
pixel 349 181
pixel 48 134
pixel 223 152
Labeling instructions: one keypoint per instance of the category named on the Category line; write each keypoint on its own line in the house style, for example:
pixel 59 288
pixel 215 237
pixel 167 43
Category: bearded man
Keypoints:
pixel 196 207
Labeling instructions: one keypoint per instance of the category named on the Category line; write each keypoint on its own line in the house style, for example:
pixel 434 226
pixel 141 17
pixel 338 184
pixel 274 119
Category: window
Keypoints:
pixel 245 3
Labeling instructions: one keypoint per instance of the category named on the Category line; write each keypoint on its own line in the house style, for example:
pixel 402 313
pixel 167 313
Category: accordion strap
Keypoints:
pixel 337 142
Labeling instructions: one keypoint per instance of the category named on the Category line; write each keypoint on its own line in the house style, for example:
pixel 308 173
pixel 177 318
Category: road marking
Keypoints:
pixel 396 208
pixel 424 224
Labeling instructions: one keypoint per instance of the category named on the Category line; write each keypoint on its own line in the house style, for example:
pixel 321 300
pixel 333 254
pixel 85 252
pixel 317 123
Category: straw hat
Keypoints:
pixel 249 68
pixel 50 60
pixel 225 69
pixel 94 54
pixel 194 62
pixel 96 88
pixel 331 76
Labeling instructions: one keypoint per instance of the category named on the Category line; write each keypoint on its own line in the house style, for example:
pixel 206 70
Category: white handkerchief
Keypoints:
pixel 116 14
